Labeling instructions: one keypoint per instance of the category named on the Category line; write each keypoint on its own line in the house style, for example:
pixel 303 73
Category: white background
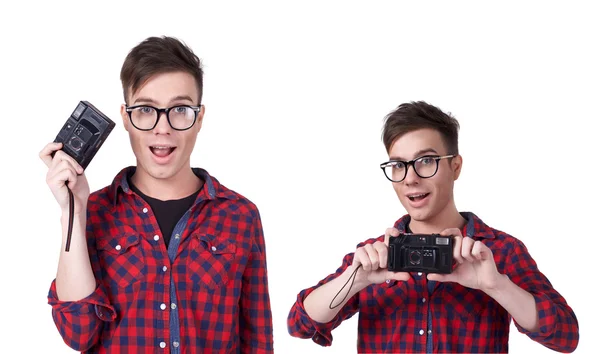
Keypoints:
pixel 295 96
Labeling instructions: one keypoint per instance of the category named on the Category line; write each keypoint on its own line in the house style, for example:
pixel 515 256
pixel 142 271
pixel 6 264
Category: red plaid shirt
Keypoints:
pixel 403 317
pixel 208 293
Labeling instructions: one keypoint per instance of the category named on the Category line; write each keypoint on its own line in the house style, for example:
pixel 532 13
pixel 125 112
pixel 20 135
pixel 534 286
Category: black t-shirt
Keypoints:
pixel 167 212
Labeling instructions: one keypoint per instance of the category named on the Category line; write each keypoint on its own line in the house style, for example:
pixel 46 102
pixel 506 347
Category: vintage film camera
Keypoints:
pixel 420 253
pixel 84 133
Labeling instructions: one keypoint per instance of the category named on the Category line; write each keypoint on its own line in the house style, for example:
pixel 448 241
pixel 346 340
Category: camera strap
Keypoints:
pixel 352 277
pixel 71 211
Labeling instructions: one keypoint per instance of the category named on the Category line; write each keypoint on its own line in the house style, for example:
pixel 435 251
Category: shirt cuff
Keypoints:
pixel 97 303
pixel 547 317
pixel 322 331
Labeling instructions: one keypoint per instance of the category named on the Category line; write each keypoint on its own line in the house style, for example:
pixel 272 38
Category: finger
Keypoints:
pixel 46 153
pixel 390 232
pixel 467 248
pixel 362 259
pixel 373 256
pixel 456 251
pixel 400 276
pixel 63 176
pixel 481 251
pixel 442 277
pixel 453 231
pixel 62 156
pixel 382 252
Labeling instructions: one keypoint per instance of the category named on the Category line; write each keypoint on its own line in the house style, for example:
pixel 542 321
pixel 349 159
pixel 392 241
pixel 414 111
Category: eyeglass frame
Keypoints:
pixel 159 112
pixel 407 164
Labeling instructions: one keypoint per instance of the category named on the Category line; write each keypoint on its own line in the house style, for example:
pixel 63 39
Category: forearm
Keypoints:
pixel 75 278
pixel 317 303
pixel 519 303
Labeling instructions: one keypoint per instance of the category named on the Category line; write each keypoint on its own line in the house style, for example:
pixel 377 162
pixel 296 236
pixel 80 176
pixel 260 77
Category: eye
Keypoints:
pixel 180 109
pixel 145 110
pixel 398 165
pixel 427 160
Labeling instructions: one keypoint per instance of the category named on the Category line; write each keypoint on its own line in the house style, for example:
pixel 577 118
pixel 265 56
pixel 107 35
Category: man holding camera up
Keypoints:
pixel 165 259
pixel 469 310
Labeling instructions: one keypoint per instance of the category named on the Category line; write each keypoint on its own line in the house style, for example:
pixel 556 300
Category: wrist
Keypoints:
pixel 497 286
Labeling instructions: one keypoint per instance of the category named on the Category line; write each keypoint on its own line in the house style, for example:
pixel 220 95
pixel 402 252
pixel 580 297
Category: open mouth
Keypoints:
pixel 162 151
pixel 417 197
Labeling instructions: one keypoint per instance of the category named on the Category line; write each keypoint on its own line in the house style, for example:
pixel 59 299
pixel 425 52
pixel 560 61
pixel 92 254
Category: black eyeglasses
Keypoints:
pixel 424 166
pixel 144 117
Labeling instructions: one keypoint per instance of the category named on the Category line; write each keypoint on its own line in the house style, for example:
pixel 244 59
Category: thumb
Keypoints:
pixel 400 276
pixel 442 277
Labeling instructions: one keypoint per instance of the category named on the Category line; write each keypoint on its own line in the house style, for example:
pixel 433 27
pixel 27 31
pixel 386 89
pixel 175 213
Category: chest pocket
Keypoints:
pixel 210 261
pixel 121 259
pixel 383 299
pixel 467 304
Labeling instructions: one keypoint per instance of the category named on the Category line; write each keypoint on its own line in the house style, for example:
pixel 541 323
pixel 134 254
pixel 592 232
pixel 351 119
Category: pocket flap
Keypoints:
pixel 118 245
pixel 216 245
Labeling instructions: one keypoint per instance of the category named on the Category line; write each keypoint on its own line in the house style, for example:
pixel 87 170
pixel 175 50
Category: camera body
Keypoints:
pixel 84 132
pixel 420 253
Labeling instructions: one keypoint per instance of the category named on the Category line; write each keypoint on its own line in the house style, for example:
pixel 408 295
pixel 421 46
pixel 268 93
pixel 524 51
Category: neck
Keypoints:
pixel 181 185
pixel 449 217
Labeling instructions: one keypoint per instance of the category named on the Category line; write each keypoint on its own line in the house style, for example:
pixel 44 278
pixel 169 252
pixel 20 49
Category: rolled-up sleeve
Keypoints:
pixel 80 322
pixel 301 325
pixel 558 325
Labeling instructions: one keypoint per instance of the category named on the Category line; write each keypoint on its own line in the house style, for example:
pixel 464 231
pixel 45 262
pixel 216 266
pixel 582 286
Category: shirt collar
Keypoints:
pixel 474 228
pixel 211 189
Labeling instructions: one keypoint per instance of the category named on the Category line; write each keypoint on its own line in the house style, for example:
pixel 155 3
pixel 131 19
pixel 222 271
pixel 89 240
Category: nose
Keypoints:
pixel 411 176
pixel 162 126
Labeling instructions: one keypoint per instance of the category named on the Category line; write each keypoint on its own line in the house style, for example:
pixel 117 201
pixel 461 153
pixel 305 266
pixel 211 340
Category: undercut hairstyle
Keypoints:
pixel 412 116
pixel 158 55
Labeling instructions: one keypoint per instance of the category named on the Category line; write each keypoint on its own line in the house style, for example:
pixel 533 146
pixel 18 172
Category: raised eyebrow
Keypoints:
pixel 417 155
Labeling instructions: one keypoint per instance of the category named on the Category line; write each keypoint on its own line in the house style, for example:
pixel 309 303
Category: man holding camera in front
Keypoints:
pixel 165 259
pixel 493 279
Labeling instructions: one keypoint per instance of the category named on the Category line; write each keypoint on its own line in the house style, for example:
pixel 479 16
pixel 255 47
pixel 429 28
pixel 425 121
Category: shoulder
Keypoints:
pixel 495 238
pixel 231 200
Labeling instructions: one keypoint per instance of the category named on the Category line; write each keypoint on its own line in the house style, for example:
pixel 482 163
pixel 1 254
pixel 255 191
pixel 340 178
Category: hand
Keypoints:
pixel 372 260
pixel 63 168
pixel 476 268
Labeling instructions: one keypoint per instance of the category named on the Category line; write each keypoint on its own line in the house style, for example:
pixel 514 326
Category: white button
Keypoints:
pixel 421 332
pixel 164 268
pixel 213 248
pixel 173 306
pixel 163 344
pixel 419 273
pixel 175 344
pixel 176 235
pixel 145 210
pixel 156 237
pixel 428 331
pixel 388 281
pixel 118 247
pixel 423 299
pixel 163 306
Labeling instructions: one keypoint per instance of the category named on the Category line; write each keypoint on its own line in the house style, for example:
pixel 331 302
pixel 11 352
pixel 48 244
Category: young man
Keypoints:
pixel 469 310
pixel 165 259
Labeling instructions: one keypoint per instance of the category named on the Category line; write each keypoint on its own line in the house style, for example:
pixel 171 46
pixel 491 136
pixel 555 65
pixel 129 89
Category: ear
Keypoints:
pixel 125 118
pixel 456 165
pixel 199 119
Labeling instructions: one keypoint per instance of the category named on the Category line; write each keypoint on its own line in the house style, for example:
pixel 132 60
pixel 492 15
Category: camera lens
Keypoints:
pixel 414 257
pixel 75 143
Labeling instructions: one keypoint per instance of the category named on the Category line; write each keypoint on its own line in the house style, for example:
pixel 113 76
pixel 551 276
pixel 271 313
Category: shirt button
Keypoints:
pixel 118 247
pixel 421 332
pixel 173 306
pixel 388 281
pixel 213 248
pixel 175 344
pixel 156 237
pixel 424 299
pixel 176 235
pixel 145 210
pixel 163 344
pixel 419 273
pixel 163 306
pixel 428 331
pixel 164 268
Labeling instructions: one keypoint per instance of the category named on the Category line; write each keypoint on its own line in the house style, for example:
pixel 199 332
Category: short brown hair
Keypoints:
pixel 411 116
pixel 157 55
